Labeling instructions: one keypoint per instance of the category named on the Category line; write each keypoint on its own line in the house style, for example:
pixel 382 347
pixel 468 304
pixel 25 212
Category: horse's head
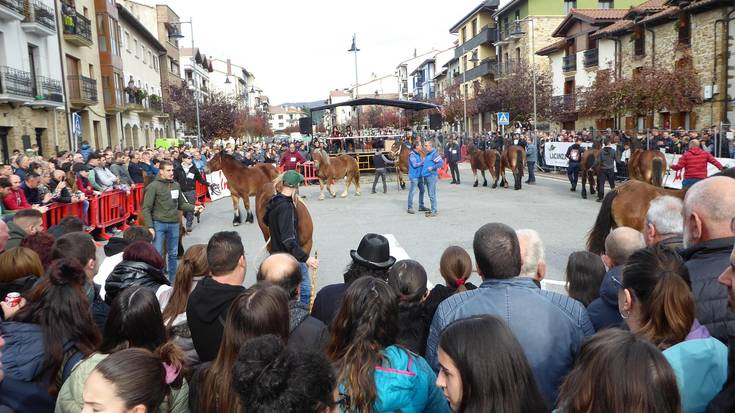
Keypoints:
pixel 215 163
pixel 320 156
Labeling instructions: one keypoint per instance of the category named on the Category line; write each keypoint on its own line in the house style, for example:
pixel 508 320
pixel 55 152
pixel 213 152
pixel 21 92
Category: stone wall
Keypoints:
pixel 24 120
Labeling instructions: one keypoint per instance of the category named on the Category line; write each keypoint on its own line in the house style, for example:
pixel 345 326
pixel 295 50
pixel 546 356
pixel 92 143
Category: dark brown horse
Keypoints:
pixel 305 224
pixel 648 166
pixel 513 158
pixel 242 181
pixel 589 168
pixel 625 206
pixel 328 170
pixel 487 160
pixel 401 151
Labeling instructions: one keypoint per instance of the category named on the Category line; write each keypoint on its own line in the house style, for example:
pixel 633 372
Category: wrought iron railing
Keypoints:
pixel 49 88
pixel 37 12
pixel 15 82
pixel 569 63
pixel 82 88
pixel 14 5
pixel 75 23
pixel 591 57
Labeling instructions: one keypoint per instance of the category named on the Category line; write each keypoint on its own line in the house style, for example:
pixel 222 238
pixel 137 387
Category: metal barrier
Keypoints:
pixel 135 201
pixel 308 171
pixel 202 192
pixel 57 211
pixel 110 208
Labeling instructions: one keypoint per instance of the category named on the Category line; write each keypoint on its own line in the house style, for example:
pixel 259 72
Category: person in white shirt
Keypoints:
pixel 114 253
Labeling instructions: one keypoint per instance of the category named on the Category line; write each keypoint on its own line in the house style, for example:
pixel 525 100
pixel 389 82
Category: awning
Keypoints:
pixel 403 104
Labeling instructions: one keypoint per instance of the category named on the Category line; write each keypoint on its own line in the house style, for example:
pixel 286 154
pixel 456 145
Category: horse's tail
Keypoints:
pixel 657 174
pixel 603 224
pixel 519 162
pixel 497 164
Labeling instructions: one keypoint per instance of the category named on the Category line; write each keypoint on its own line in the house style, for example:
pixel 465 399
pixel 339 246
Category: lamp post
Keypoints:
pixel 354 49
pixel 179 36
pixel 474 60
pixel 517 34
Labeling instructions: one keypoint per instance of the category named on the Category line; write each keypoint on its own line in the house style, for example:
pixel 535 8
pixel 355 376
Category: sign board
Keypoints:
pixel 218 187
pixel 76 126
pixel 555 153
pixel 503 118
pixel 673 179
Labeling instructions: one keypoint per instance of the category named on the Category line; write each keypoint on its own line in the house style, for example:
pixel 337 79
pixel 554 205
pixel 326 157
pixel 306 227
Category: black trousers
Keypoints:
pixel 454 168
pixel 602 176
pixel 380 173
pixel 573 173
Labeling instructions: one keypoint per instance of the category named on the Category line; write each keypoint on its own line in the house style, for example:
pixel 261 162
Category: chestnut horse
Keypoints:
pixel 589 168
pixel 329 170
pixel 626 205
pixel 242 181
pixel 648 166
pixel 401 151
pixel 513 158
pixel 487 160
pixel 305 224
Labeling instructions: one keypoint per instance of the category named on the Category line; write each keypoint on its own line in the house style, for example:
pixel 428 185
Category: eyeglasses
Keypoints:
pixel 616 281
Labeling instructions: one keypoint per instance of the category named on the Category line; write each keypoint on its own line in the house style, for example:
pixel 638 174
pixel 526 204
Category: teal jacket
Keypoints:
pixel 701 369
pixel 406 383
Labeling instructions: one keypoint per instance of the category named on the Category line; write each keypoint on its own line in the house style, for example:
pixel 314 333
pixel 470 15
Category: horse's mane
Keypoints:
pixel 324 155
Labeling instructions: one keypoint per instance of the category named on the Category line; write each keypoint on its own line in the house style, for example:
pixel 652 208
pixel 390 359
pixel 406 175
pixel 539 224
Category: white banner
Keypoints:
pixel 218 187
pixel 555 153
pixel 673 179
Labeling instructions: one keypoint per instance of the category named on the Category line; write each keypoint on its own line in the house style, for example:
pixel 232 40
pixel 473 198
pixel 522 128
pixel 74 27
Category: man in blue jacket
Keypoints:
pixel 415 165
pixel 432 163
pixel 531 159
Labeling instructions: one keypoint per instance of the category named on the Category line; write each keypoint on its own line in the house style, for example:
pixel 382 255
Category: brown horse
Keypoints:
pixel 626 205
pixel 648 166
pixel 242 181
pixel 513 158
pixel 329 170
pixel 487 160
pixel 589 168
pixel 305 224
pixel 401 151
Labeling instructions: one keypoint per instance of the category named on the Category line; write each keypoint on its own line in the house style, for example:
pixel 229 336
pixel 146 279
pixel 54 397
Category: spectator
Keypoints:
pixel 503 293
pixel 211 298
pixel 371 259
pixel 291 159
pixel 260 310
pixel 83 184
pixel 499 381
pixel 574 156
pixel 584 274
pixel 534 266
pixel 141 265
pixel 45 339
pixel 135 168
pixel 725 400
pixel 42 243
pixel 305 331
pixel 31 190
pixel 531 159
pixel 663 222
pixel 658 306
pixel 270 377
pixel 709 207
pixel 67 225
pixel 5 186
pixel 694 163
pixel 408 280
pixel 15 197
pixel 173 301
pixel 60 189
pixel 114 253
pixel 455 267
pixel 371 369
pixel 6 170
pixel 20 268
pixel 4 235
pixel 618 372
pixel 25 222
pixel 187 175
pixel 85 150
pixel 22 170
pixel 119 168
pixel 620 244
pixel 161 205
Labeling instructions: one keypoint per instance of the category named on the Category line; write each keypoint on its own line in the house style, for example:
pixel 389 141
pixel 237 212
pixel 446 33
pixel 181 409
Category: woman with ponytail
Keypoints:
pixel 134 321
pixel 657 304
pixel 45 338
pixel 373 373
pixel 408 280
pixel 132 380
pixel 193 267
pixel 455 267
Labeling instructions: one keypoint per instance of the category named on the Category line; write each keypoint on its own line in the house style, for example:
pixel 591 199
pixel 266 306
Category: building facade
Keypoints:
pixel 282 117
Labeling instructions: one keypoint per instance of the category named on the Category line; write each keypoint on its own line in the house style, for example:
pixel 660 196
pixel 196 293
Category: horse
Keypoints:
pixel 588 168
pixel 242 181
pixel 305 224
pixel 513 158
pixel 330 169
pixel 626 205
pixel 648 166
pixel 489 160
pixel 401 151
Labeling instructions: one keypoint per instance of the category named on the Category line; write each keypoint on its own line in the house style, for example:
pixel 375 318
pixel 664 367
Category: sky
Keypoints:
pixel 298 49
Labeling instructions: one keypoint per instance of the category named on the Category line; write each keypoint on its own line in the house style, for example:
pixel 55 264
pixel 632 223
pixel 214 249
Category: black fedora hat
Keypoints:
pixel 373 251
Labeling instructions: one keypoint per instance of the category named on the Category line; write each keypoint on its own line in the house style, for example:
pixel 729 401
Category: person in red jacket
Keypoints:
pixel 694 162
pixel 291 158
pixel 15 198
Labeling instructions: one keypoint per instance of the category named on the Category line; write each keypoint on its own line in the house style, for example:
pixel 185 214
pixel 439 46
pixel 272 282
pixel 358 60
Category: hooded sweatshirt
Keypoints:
pixel 700 366
pixel 206 312
pixel 15 235
pixel 282 221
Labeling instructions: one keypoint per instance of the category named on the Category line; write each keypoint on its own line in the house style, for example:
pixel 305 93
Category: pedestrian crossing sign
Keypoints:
pixel 503 119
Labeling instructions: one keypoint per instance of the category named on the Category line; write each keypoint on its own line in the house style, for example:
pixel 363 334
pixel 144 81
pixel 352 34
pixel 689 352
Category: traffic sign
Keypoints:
pixel 503 118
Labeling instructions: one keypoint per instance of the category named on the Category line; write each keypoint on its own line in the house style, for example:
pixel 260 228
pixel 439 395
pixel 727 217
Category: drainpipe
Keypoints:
pixel 653 64
pixel 618 70
pixel 726 62
pixel 63 77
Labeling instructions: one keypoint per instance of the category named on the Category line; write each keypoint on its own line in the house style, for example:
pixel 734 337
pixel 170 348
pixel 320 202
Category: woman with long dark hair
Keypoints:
pixel 408 280
pixel 134 321
pixel 476 380
pixel 372 371
pixel 259 310
pixel 46 338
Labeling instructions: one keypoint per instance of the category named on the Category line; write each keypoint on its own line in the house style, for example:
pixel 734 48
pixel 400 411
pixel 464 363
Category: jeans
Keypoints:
pixel 605 174
pixel 85 210
pixel 689 182
pixel 430 182
pixel 573 173
pixel 191 196
pixel 531 167
pixel 455 171
pixel 380 173
pixel 412 188
pixel 170 233
pixel 305 296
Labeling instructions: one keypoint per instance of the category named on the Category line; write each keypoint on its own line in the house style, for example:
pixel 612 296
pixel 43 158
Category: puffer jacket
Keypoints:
pixel 603 310
pixel 415 164
pixel 700 366
pixel 132 273
pixel 86 150
pixel 694 162
pixel 432 163
pixel 405 383
pixel 705 262
pixel 70 396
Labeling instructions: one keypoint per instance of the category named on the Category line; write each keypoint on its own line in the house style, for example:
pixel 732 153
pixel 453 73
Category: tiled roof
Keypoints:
pixel 618 26
pixel 650 5
pixel 600 14
pixel 551 48
pixel 665 13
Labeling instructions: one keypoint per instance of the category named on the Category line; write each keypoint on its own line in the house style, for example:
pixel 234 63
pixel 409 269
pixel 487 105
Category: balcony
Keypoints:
pixel 484 68
pixel 82 91
pixel 133 103
pixel 114 100
pixel 569 64
pixel 15 85
pixel 48 93
pixel 566 103
pixel 39 19
pixel 486 35
pixel 77 28
pixel 591 57
pixel 11 10
pixel 508 67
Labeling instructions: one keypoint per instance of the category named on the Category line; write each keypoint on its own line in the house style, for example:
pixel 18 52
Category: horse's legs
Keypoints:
pixel 246 201
pixel 236 220
pixel 592 182
pixel 347 186
pixel 321 189
pixel 584 183
pixel 474 173
pixel 503 180
pixel 331 182
pixel 356 178
pixel 484 179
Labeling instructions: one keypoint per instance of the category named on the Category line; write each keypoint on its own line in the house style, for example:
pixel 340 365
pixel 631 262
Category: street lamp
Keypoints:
pixel 474 60
pixel 354 50
pixel 178 36
pixel 517 34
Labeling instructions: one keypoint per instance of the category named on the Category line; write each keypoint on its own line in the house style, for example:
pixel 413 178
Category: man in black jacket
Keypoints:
pixel 210 301
pixel 453 155
pixel 187 175
pixel 725 401
pixel 574 156
pixel 380 162
pixel 606 164
pixel 306 332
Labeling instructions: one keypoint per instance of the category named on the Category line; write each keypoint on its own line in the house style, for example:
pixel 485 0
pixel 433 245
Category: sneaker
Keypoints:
pixel 424 209
pixel 453 182
pixel 431 214
pixel 573 189
pixel 411 211
pixel 188 230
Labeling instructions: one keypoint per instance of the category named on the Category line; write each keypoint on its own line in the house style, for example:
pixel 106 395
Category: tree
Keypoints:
pixel 452 104
pixel 219 115
pixel 513 93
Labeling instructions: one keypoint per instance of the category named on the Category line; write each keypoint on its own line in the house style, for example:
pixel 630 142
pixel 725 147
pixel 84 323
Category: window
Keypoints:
pixel 137 47
pixel 280 117
pixel 101 33
pixel 464 63
pixel 114 37
pixel 142 49
pixel 569 5
pixel 474 27
pixel 685 29
pixel 606 4
pixel 639 38
pixel 126 41
pixel 150 59
pixel 85 12
pixel 464 35
pixel 155 65
pixel 91 71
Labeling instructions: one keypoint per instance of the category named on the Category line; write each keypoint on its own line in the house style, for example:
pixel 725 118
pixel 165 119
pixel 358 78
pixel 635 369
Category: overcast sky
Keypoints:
pixel 298 49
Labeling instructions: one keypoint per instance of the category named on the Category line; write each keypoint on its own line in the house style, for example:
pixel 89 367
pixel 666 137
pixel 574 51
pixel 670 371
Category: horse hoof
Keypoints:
pixel 235 224
pixel 584 196
pixel 357 194
pixel 321 197
pixel 344 195
pixel 475 185
pixel 403 185
pixel 484 184
pixel 495 186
